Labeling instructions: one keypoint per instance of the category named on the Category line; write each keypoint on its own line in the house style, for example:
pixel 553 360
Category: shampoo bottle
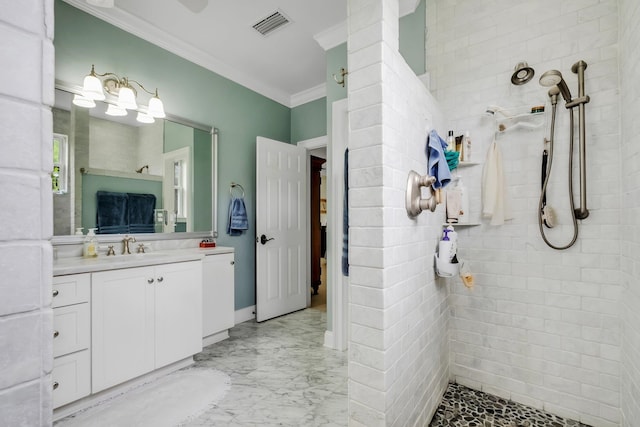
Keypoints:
pixel 445 248
pixel 90 247
pixel 451 142
pixel 453 237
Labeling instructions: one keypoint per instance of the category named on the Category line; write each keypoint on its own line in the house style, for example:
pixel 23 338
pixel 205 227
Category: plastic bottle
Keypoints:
pixel 90 247
pixel 451 142
pixel 464 216
pixel 79 231
pixel 466 147
pixel 445 248
pixel 453 237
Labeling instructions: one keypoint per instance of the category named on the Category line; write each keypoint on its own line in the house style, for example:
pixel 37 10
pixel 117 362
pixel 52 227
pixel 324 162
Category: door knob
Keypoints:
pixel 264 240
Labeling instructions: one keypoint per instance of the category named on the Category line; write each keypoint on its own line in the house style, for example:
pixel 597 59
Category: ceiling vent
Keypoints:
pixel 271 23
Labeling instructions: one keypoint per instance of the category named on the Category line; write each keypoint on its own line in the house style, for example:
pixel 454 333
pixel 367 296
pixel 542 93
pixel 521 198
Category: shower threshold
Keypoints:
pixel 465 407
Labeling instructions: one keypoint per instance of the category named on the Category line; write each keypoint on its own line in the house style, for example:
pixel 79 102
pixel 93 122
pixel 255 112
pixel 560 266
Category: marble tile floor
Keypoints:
pixel 276 373
pixel 464 407
pixel 281 375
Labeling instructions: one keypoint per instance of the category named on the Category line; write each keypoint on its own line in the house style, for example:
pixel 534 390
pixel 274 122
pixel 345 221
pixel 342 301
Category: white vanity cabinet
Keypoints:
pixel 218 311
pixel 71 338
pixel 142 319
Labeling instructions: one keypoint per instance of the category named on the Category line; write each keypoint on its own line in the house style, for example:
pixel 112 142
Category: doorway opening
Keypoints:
pixel 318 228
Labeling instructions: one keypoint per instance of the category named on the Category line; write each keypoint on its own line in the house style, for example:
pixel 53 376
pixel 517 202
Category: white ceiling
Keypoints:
pixel 287 65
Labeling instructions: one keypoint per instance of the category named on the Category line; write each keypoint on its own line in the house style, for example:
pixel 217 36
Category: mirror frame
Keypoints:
pixel 109 238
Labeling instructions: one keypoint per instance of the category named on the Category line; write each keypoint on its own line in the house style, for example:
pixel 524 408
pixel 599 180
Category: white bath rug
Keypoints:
pixel 168 401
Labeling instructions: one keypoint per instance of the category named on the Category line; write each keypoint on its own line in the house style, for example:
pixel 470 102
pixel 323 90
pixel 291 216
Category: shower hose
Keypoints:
pixel 546 181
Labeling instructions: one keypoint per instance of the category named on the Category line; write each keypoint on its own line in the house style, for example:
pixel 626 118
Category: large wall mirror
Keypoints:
pixel 125 177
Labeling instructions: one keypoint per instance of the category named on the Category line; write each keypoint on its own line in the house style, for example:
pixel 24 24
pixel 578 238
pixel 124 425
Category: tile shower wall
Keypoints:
pixel 398 349
pixel 541 327
pixel 630 210
pixel 26 94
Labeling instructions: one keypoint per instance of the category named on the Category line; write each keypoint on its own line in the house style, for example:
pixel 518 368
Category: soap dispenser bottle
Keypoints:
pixel 90 247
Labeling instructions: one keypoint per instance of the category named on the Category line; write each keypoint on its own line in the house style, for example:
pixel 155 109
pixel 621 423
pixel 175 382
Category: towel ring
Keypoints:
pixel 234 185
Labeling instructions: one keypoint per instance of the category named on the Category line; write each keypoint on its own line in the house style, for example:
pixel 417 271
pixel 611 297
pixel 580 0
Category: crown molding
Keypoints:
pixel 308 95
pixel 332 36
pixel 144 30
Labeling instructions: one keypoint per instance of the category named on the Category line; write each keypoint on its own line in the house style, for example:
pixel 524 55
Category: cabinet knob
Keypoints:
pixel 232 262
pixel 55 292
pixel 160 279
pixel 56 385
pixel 55 334
pixel 150 280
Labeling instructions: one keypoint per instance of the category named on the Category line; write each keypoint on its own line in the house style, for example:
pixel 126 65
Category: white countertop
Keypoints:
pixel 74 265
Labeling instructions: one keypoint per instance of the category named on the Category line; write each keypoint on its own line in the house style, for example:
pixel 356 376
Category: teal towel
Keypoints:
pixel 453 158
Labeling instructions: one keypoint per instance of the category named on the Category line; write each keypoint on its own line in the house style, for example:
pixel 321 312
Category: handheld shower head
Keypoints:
pixel 553 94
pixel 554 78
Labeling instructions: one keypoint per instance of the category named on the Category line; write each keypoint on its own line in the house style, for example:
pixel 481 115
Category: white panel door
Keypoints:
pixel 281 228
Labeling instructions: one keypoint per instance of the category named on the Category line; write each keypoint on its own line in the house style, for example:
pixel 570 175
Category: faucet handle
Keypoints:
pixel 141 248
pixel 110 251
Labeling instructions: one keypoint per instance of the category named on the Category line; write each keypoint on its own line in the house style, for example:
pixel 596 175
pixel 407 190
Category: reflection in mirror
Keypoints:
pixel 123 176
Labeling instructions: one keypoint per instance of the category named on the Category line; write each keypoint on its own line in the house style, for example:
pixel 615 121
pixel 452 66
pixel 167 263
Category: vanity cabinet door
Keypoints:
pixel 178 315
pixel 218 311
pixel 122 325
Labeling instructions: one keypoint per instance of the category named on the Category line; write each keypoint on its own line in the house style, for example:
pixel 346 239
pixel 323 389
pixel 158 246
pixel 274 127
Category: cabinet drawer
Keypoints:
pixel 71 289
pixel 71 380
pixel 71 329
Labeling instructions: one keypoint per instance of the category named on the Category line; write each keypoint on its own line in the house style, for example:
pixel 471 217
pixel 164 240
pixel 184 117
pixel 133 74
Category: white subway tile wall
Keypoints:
pixel 630 212
pixel 543 327
pixel 398 350
pixel 26 94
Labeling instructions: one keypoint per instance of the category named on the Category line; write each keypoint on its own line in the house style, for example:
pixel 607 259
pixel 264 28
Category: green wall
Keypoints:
pixel 202 96
pixel 412 43
pixel 188 91
pixel 309 120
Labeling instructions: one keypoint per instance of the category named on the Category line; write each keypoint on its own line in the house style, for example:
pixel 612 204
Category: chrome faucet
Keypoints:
pixel 125 244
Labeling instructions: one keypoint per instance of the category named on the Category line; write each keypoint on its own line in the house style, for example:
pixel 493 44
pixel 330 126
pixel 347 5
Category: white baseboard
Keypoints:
pixel 244 314
pixel 329 340
pixel 212 339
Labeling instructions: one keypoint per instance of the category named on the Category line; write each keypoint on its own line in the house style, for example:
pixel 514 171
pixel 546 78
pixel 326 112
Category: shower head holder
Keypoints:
pixel 522 73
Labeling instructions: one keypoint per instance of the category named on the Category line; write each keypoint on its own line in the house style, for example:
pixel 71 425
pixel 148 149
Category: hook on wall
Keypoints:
pixel 343 73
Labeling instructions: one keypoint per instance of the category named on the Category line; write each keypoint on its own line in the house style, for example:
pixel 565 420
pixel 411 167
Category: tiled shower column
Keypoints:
pixel 398 349
pixel 26 94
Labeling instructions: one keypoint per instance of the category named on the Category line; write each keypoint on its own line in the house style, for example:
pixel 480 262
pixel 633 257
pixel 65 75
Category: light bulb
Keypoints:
pixel 114 110
pixel 144 118
pixel 126 98
pixel 83 101
pixel 156 108
pixel 92 88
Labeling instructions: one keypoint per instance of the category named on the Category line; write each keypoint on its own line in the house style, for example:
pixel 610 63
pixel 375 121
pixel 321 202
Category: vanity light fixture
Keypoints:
pixel 93 89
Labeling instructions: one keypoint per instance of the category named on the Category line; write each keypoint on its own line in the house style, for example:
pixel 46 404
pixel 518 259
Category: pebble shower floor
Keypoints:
pixel 464 407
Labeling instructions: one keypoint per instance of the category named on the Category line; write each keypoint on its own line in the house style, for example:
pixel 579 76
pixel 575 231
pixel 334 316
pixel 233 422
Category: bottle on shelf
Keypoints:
pixel 451 142
pixel 466 147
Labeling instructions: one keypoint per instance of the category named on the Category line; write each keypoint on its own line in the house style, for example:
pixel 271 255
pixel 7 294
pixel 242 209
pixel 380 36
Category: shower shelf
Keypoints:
pixel 524 120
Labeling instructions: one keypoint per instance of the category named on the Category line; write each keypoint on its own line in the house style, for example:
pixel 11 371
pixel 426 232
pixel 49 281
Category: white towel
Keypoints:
pixel 494 190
